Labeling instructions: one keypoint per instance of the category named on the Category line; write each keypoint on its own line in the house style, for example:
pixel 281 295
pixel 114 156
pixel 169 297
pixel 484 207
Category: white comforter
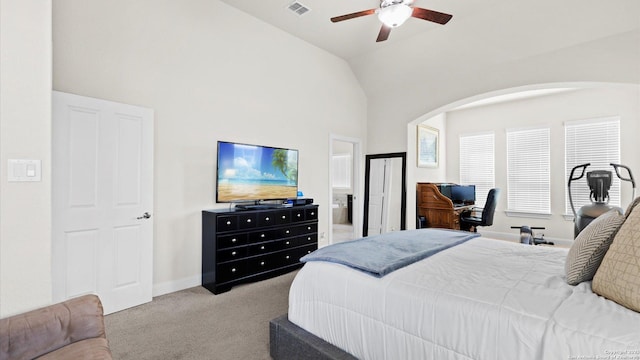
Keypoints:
pixel 484 299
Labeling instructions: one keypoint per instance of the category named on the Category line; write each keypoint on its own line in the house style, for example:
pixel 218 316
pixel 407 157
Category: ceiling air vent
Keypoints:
pixel 298 8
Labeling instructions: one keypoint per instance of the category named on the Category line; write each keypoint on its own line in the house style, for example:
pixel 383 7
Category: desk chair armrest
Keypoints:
pixel 474 211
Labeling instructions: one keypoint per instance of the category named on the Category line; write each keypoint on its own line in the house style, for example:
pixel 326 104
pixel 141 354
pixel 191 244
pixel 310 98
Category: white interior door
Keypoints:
pixel 393 203
pixel 102 201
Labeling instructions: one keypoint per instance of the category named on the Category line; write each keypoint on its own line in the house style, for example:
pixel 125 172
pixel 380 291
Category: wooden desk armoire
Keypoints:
pixel 437 209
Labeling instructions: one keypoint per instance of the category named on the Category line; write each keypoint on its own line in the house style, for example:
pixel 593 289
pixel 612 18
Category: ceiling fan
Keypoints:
pixel 393 13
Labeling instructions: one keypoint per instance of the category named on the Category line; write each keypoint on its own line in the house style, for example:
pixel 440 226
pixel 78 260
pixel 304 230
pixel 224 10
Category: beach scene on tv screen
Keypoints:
pixel 249 172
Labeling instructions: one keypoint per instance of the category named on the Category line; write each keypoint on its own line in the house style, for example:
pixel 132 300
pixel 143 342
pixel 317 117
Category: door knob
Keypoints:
pixel 146 215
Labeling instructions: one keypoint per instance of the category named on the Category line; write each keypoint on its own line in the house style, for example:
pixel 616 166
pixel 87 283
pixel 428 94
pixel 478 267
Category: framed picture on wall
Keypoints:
pixel 427 144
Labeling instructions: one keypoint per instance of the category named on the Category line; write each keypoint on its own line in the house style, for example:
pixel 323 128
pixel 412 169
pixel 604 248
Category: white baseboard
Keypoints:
pixel 176 285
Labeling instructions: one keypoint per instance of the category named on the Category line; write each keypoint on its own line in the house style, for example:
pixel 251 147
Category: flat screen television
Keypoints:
pixel 254 173
pixel 463 194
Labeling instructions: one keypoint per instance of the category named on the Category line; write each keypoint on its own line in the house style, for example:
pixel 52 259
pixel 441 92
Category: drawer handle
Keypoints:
pixel 299 215
pixel 284 216
pixel 309 238
pixel 233 253
pixel 267 218
pixel 261 235
pixel 286 232
pixel 313 213
pixel 309 252
pixel 234 240
pixel 262 247
pixel 308 227
pixel 287 243
pixel 233 270
pixel 262 263
pixel 248 220
pixel 286 257
pixel 228 222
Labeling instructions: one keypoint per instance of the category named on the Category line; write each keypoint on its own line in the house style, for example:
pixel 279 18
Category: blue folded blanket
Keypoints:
pixel 379 255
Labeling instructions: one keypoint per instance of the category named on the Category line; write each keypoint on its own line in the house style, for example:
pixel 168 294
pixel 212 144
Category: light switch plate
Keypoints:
pixel 24 170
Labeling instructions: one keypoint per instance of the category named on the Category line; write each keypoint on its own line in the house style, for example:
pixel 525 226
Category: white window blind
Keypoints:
pixel 341 171
pixel 477 164
pixel 595 141
pixel 528 171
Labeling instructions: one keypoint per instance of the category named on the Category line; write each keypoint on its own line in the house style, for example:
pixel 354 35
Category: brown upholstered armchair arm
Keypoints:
pixel 37 332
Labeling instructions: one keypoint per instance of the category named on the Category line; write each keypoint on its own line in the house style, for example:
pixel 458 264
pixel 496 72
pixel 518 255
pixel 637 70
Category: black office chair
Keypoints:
pixel 469 222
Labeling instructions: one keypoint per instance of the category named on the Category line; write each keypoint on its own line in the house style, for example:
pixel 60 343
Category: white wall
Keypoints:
pixel 25 133
pixel 417 174
pixel 552 111
pixel 211 73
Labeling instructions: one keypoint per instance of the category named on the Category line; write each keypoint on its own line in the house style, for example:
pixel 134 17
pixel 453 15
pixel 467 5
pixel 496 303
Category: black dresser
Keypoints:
pixel 240 246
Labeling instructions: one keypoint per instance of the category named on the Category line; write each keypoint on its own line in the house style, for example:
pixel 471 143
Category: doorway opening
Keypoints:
pixel 344 196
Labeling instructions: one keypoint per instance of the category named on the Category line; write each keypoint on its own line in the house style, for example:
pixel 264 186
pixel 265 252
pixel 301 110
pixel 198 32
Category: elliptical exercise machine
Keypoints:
pixel 599 182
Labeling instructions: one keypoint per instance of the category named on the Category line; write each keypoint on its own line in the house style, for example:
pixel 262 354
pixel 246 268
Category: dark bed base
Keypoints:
pixel 290 342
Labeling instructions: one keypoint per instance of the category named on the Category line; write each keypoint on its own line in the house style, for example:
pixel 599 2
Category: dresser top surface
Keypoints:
pixel 245 211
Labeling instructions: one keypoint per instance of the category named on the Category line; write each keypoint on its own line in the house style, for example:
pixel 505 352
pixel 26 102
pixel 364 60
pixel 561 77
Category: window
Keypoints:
pixel 341 171
pixel 477 164
pixel 595 141
pixel 528 174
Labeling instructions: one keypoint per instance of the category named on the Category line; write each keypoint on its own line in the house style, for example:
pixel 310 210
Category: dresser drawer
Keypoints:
pixel 287 232
pixel 263 235
pixel 306 229
pixel 263 263
pixel 283 217
pixel 292 256
pixel 311 214
pixel 297 215
pixel 227 223
pixel 265 248
pixel 230 271
pixel 226 241
pixel 247 221
pixel 295 230
pixel 231 254
pixel 309 239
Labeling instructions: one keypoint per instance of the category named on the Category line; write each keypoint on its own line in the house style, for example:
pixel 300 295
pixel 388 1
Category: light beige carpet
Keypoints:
pixel 195 324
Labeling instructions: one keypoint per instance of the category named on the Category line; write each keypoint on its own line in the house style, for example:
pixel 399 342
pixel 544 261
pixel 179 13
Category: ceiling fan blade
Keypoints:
pixel 384 33
pixel 353 15
pixel 430 15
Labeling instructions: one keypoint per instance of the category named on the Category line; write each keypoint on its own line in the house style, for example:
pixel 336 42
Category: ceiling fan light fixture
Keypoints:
pixel 394 15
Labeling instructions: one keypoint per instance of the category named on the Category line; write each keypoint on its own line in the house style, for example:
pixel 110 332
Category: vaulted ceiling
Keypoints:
pixel 355 37
pixel 485 40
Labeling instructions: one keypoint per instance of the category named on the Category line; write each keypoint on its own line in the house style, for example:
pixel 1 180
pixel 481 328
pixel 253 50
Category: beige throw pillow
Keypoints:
pixel 631 206
pixel 590 246
pixel 618 277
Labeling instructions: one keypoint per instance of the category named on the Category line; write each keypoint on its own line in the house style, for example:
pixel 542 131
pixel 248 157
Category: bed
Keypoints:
pixel 480 299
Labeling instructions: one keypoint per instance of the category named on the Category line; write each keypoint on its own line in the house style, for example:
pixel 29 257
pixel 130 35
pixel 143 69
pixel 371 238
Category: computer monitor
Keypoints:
pixel 445 189
pixel 463 194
